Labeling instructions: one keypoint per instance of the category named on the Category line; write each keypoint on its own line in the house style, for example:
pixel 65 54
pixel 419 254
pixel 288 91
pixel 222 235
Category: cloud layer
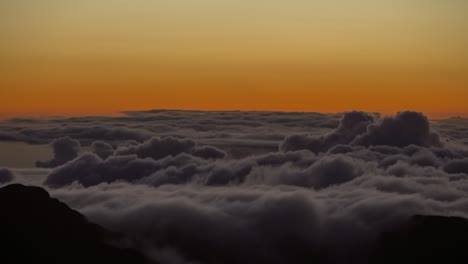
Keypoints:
pixel 237 187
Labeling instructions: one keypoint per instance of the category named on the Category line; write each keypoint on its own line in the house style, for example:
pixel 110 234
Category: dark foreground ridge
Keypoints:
pixel 35 228
pixel 425 239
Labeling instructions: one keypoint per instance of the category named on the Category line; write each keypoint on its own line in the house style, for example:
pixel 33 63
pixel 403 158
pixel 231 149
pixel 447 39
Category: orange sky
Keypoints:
pixel 102 56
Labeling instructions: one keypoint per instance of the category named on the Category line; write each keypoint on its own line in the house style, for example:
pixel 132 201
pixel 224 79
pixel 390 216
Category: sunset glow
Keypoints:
pixel 101 56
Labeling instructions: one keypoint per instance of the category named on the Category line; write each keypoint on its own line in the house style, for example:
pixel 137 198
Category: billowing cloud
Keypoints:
pixel 351 125
pixel 157 148
pixel 457 166
pixel 357 128
pixel 208 152
pixel 237 133
pixel 65 149
pixel 264 224
pixel 406 128
pixel 102 149
pixel 6 175
pixel 80 169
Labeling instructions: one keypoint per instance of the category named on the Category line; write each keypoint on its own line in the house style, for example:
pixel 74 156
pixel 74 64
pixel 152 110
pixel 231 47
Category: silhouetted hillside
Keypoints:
pixel 425 239
pixel 34 228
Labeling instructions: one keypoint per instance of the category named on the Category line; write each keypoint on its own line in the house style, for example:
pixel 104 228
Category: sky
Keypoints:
pixel 64 57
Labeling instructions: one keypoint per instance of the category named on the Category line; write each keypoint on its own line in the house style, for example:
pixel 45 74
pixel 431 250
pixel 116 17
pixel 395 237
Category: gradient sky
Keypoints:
pixel 101 56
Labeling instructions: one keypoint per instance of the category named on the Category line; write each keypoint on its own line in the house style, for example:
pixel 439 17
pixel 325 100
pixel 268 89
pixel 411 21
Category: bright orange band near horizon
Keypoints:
pixel 103 56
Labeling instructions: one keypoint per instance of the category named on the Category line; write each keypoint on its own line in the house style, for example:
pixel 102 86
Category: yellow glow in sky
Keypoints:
pixel 99 56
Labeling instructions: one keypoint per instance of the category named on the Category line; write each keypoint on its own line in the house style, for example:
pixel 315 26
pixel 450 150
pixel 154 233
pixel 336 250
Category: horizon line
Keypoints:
pixel 436 115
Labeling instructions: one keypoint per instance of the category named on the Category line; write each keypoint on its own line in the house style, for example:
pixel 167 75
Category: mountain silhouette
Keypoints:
pixel 35 228
pixel 425 239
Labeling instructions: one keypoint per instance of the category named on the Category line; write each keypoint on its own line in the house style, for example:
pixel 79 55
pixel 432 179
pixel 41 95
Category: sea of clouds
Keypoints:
pixel 250 187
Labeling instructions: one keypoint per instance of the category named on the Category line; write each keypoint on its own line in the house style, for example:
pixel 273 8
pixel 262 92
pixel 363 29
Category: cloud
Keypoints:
pixel 89 169
pixel 320 202
pixel 261 224
pixel 351 125
pixel 265 224
pixel 358 128
pixel 457 166
pixel 322 173
pixel 6 175
pixel 65 149
pixel 221 225
pixel 404 129
pixel 80 169
pixel 208 152
pixel 157 148
pixel 102 149
pixel 85 132
pixel 299 168
pixel 293 168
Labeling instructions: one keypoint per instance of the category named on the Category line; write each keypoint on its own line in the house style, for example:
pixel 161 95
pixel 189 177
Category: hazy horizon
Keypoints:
pixel 44 115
